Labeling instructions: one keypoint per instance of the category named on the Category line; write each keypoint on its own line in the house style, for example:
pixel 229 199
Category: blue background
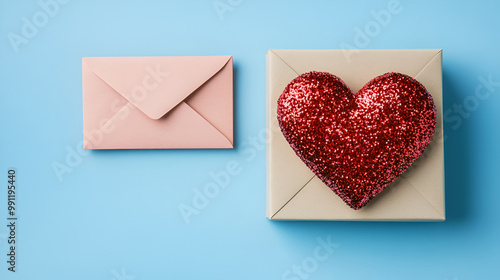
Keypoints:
pixel 116 214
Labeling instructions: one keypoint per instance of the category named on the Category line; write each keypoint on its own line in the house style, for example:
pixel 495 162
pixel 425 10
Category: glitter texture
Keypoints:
pixel 357 143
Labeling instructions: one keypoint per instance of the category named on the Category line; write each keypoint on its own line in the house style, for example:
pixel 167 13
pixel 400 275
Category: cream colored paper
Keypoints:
pixel 295 193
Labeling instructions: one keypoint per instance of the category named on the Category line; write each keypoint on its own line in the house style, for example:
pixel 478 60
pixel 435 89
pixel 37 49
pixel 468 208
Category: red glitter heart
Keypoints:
pixel 357 143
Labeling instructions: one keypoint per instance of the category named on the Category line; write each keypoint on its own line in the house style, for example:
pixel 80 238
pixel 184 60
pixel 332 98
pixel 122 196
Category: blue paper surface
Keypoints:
pixel 145 214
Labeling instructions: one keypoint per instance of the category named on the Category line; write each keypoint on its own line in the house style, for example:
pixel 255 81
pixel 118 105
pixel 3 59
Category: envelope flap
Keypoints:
pixel 396 203
pixel 356 67
pixel 155 85
pixel 301 174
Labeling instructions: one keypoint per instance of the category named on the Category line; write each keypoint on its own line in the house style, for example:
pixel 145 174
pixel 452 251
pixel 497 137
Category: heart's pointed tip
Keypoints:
pixel 356 205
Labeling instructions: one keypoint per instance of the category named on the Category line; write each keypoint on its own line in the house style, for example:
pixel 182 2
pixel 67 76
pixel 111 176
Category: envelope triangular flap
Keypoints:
pixel 429 168
pixel 155 85
pixel 346 63
pixel 294 180
pixel 398 204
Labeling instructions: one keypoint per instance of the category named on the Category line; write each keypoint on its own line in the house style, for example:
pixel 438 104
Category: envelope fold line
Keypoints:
pixel 114 89
pixel 116 114
pixel 118 96
pixel 291 198
pixel 199 86
pixel 208 122
pixel 117 92
pixel 284 62
pixel 428 63
pixel 423 196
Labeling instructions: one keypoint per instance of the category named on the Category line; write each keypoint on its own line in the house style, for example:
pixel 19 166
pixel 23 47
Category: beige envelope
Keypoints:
pixel 295 193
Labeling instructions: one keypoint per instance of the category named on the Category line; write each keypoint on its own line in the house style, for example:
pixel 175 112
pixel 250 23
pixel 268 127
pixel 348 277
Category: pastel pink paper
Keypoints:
pixel 191 107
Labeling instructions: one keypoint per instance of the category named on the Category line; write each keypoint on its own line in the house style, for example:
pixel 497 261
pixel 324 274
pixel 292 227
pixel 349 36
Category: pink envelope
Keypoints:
pixel 169 102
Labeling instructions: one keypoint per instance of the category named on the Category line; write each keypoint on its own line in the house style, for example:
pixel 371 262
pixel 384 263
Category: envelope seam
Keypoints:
pixel 427 64
pixel 422 195
pixel 285 62
pixel 120 96
pixel 293 196
pixel 115 90
pixel 208 122
pixel 116 114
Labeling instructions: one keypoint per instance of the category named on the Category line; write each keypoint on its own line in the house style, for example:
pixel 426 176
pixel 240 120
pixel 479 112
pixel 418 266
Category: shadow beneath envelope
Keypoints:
pixel 130 153
pixel 457 153
pixel 236 128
